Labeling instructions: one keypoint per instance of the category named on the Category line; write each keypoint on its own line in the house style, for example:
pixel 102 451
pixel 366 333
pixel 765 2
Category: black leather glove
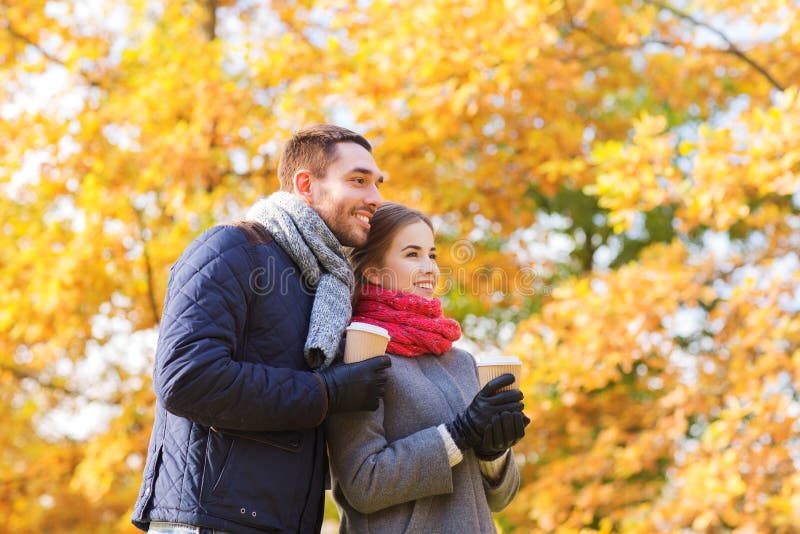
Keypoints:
pixel 467 429
pixel 504 431
pixel 356 386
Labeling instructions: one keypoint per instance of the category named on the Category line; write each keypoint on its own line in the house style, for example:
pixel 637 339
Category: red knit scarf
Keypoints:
pixel 415 323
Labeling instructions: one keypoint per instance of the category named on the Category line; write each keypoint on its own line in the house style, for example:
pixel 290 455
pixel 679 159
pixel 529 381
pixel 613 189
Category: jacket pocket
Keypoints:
pixel 258 479
pixel 288 441
pixel 218 453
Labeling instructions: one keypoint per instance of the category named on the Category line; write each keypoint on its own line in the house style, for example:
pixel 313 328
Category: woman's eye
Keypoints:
pixel 412 255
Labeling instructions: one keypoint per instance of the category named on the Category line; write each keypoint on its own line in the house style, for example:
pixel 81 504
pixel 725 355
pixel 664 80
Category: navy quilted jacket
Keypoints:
pixel 236 442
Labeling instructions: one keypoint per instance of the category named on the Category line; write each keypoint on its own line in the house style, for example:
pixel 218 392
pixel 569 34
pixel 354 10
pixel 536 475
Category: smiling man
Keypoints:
pixel 252 320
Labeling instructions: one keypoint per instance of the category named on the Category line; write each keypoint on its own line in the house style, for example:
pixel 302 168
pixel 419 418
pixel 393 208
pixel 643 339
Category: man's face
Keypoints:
pixel 347 197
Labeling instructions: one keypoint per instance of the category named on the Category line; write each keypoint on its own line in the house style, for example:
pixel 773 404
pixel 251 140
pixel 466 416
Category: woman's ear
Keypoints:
pixel 302 185
pixel 372 275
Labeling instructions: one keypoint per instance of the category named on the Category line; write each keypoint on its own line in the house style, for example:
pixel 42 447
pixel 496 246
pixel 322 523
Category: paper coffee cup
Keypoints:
pixel 364 341
pixel 490 367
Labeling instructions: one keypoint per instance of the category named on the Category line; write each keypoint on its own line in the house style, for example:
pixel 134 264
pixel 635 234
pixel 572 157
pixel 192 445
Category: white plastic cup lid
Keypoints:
pixel 371 328
pixel 499 360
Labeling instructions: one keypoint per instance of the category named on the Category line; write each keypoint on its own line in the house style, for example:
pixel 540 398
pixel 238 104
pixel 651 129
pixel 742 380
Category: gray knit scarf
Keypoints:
pixel 303 235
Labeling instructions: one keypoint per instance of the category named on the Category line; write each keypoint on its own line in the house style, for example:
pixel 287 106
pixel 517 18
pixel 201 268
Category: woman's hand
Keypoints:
pixel 504 431
pixel 468 428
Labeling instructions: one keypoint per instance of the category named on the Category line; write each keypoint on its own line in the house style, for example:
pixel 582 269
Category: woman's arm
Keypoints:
pixel 375 474
pixel 500 480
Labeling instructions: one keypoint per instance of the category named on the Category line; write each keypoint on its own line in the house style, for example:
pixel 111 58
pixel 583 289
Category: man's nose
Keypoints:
pixel 373 197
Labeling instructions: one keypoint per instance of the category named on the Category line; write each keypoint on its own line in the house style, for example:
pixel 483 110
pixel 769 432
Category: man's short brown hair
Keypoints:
pixel 314 148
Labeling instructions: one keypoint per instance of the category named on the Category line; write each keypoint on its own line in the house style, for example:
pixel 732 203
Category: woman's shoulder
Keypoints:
pixel 459 358
pixel 460 353
pixel 454 357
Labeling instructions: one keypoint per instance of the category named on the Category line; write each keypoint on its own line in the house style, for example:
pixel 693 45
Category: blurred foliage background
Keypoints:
pixel 615 187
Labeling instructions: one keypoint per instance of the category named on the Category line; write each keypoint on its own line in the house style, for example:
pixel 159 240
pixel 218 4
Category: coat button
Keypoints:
pixel 254 514
pixel 242 511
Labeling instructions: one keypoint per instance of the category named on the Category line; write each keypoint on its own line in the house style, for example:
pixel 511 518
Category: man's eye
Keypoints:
pixel 360 181
pixel 412 255
pixel 432 256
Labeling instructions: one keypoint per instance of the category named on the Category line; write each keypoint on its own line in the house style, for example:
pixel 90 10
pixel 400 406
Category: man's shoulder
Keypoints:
pixel 231 251
pixel 221 234
pixel 255 232
pixel 222 243
pixel 224 237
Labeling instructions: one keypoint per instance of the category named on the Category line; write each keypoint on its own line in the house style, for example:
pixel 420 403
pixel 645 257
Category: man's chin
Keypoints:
pixel 351 239
pixel 354 243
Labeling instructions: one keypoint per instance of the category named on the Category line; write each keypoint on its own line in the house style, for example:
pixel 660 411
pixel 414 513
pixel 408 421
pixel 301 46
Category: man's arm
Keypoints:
pixel 196 376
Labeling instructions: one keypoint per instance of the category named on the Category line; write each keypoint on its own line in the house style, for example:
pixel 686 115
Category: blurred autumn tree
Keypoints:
pixel 615 182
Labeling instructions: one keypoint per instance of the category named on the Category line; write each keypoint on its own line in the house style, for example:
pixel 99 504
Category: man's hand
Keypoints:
pixel 467 429
pixel 356 386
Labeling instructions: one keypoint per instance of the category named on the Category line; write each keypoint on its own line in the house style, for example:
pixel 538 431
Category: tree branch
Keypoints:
pixel 50 57
pixel 151 296
pixel 607 47
pixel 210 26
pixel 732 48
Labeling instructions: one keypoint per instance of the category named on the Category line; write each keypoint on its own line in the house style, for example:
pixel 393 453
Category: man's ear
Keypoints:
pixel 302 185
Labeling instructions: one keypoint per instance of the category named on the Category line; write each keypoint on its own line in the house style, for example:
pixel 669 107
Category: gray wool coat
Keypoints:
pixel 389 467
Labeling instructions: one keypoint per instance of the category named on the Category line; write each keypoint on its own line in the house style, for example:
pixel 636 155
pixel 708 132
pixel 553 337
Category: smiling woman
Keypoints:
pixel 425 460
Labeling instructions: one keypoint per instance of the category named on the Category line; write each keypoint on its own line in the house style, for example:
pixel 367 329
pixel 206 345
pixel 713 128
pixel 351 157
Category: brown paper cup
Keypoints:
pixel 364 341
pixel 490 367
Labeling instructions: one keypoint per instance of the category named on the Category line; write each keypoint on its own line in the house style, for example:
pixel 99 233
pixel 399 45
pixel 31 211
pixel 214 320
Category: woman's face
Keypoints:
pixel 410 262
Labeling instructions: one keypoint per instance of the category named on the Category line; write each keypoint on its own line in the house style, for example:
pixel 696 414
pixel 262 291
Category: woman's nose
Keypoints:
pixel 431 266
